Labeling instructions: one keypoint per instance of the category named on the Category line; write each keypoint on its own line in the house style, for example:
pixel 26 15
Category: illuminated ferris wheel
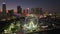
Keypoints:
pixel 31 23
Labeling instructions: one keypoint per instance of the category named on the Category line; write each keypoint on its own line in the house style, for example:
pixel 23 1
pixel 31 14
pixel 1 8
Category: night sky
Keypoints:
pixel 45 4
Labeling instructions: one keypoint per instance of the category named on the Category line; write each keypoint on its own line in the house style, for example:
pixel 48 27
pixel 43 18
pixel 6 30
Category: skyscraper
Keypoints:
pixel 11 12
pixel 32 10
pixel 28 10
pixel 19 9
pixel 37 11
pixel 24 12
pixel 4 8
pixel 40 11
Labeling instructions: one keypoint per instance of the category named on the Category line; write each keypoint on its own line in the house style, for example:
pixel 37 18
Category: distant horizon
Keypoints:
pixel 45 4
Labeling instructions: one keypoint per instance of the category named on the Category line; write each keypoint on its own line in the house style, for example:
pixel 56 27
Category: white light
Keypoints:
pixel 4 3
pixel 45 16
pixel 44 26
pixel 18 24
pixel 28 8
pixel 14 33
pixel 50 14
pixel 12 25
pixel 32 15
pixel 5 31
pixel 41 16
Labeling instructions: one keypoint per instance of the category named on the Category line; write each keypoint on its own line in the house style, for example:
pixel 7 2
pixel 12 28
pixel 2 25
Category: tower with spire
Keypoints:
pixel 4 7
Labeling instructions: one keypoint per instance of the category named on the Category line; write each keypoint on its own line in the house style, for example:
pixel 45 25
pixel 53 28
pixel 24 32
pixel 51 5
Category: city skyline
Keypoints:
pixel 45 4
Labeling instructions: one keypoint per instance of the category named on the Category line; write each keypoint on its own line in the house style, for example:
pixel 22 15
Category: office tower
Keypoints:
pixel 11 12
pixel 4 8
pixel 40 11
pixel 19 9
pixel 24 12
pixel 37 11
pixel 28 11
pixel 32 10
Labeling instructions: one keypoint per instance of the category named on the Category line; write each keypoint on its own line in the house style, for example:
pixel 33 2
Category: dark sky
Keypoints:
pixel 45 4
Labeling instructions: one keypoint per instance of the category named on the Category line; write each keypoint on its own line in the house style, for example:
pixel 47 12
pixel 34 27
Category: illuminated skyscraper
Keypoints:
pixel 4 8
pixel 19 9
pixel 28 10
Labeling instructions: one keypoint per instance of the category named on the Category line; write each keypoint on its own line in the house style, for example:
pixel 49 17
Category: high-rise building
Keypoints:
pixel 28 10
pixel 37 11
pixel 40 11
pixel 32 10
pixel 4 8
pixel 11 12
pixel 19 9
pixel 24 12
